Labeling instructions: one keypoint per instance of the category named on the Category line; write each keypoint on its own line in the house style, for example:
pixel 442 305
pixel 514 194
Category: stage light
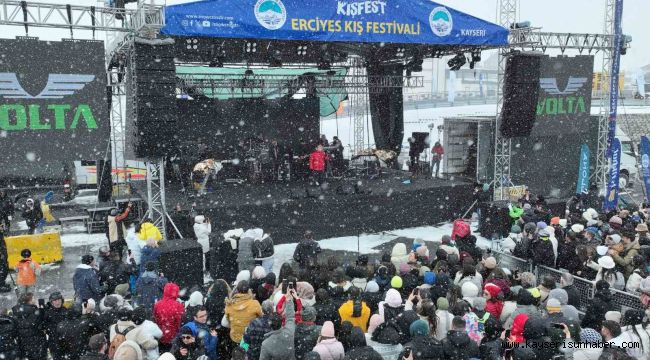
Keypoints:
pixel 192 44
pixel 400 52
pixel 302 50
pixel 251 47
pixel 520 25
pixel 457 62
pixel 476 57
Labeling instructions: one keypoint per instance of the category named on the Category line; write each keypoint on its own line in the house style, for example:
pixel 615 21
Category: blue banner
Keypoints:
pixel 583 172
pixel 358 21
pixel 645 164
pixel 611 197
pixel 613 79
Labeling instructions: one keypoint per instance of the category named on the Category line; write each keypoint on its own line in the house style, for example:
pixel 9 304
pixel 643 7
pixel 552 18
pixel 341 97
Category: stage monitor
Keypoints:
pixel 52 106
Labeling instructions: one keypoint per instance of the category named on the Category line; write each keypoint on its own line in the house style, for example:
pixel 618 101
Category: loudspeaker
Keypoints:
pixel 495 219
pixel 104 181
pixel 520 95
pixel 181 261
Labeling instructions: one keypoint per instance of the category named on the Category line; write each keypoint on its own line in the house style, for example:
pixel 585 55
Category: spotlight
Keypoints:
pixel 251 47
pixel 457 62
pixel 520 25
pixel 302 50
pixel 476 57
pixel 400 52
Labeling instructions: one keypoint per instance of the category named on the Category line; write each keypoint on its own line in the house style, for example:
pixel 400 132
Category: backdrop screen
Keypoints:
pixel 53 107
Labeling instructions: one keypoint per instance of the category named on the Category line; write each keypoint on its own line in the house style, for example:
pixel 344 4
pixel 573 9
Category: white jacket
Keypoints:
pixel 444 324
pixel 134 244
pixel 202 232
pixel 146 335
pixel 633 282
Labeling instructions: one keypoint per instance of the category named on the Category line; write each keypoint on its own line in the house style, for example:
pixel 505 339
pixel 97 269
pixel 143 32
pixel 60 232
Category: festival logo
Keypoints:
pixel 58 86
pixel 441 21
pixel 645 161
pixel 271 13
pixel 550 85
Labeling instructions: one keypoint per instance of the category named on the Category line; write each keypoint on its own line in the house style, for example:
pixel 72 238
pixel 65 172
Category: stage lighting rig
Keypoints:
pixel 476 57
pixel 625 41
pixel 457 62
pixel 520 25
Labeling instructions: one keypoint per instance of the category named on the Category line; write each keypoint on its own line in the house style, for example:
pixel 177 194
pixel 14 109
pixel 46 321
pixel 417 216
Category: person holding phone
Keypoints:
pixel 202 231
pixel 279 343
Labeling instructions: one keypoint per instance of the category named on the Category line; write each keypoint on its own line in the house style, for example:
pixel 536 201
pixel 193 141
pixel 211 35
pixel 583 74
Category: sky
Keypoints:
pixel 578 16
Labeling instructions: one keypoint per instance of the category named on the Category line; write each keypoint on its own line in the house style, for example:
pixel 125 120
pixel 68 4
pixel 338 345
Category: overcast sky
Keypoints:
pixel 579 16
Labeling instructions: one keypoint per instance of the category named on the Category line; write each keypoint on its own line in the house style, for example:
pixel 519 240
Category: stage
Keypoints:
pixel 284 210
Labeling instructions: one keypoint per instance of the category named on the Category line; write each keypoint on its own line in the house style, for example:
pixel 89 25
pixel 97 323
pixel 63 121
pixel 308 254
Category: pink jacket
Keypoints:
pixel 330 349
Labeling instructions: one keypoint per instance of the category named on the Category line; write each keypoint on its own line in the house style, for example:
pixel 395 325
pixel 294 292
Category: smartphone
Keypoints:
pixel 290 286
pixel 41 302
pixel 416 291
pixel 558 326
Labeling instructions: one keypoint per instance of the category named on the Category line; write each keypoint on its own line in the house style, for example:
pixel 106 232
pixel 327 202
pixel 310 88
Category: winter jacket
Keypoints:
pixel 254 336
pixel 330 349
pixel 146 335
pixel 530 310
pixel 226 268
pixel 588 353
pixel 566 257
pixel 72 335
pixel 425 348
pixel 32 216
pixel 490 350
pixel 359 350
pixel 149 289
pixel 30 326
pixel 263 248
pixel 399 255
pixel 53 316
pixel 372 300
pixel 201 331
pixel 279 309
pixel 121 326
pixel 306 253
pixel 327 311
pixel 634 281
pixel 202 232
pixel 596 309
pixel 305 339
pixel 386 351
pixel 167 313
pixel 134 244
pixel 245 260
pixel 28 271
pixel 196 350
pixel 279 344
pixel 116 228
pixel 476 279
pixel 443 324
pixel 86 283
pixel 346 311
pixel 240 310
pixel 149 231
pixel 574 295
pixel 317 160
pixel 624 259
pixel 494 308
pixel 8 337
pixel 543 252
pixel 148 254
pixel 458 346
pixel 114 272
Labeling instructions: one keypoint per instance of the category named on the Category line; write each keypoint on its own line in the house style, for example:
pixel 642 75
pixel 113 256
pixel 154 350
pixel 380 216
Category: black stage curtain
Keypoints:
pixel 387 109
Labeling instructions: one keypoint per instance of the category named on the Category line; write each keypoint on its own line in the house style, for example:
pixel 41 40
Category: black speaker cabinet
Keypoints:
pixel 495 219
pixel 181 261
pixel 520 95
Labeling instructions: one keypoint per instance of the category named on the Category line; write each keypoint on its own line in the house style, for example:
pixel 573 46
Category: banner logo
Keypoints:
pixel 58 86
pixel 441 21
pixel 270 13
pixel 550 85
pixel 645 161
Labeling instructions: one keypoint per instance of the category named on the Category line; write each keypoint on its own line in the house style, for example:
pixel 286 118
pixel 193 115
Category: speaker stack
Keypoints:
pixel 520 95
pixel 181 261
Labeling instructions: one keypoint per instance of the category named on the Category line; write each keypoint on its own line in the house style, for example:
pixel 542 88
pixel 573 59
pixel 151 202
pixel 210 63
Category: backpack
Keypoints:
pixel 120 337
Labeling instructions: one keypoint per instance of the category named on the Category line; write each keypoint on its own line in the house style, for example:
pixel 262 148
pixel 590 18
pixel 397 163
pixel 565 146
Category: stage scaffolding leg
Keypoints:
pixel 156 197
pixel 358 104
pixel 118 137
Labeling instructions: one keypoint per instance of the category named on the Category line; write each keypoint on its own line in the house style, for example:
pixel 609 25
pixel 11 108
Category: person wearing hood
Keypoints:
pixel 32 215
pixel 542 249
pixel 150 253
pixel 624 258
pixel 187 346
pixel 245 260
pixel 326 310
pixel 535 340
pixel 307 250
pixel 598 306
pixel 86 281
pixel 526 304
pixel 422 345
pixel 240 310
pixel 457 345
pixel 117 228
pixel 385 340
pixel 263 252
pixel 307 333
pixel 470 274
pixel 371 296
pixel 359 349
pixel 609 273
pixel 494 304
pixel 202 231
pixel 355 310
pixel 568 311
pixel 392 306
pixel 256 330
pixel 167 314
pixel 147 230
pixel 399 255
pixel 279 343
pixel 149 286
pixel 328 347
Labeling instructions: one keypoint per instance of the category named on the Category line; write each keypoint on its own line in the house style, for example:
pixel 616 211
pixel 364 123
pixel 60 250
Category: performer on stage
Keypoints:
pixel 278 154
pixel 203 172
pixel 323 141
pixel 317 161
pixel 336 150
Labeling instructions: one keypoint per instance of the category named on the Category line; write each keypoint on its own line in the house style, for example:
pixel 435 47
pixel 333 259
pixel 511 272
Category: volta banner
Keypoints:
pixel 611 197
pixel 645 164
pixel 583 172
pixel 369 21
pixel 53 106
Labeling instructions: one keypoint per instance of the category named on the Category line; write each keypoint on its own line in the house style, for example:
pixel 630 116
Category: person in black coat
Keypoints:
pixel 115 272
pixel 359 350
pixel 468 245
pixel 566 283
pixel 598 306
pixel 537 340
pixel 423 346
pixel 490 348
pixel 30 326
pixel 457 345
pixel 326 310
pixel 54 314
pixel 307 250
pixel 8 338
pixel 543 249
pixel 226 267
pixel 566 253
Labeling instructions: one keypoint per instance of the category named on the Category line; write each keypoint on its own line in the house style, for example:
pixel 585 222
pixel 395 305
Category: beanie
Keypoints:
pixel 515 229
pixel 490 263
pixel 87 259
pixel 396 282
pixel 327 330
pixel 404 269
pixel 442 303
pixel 372 286
pixel 469 289
pixel 308 313
pixel 423 270
pixel 614 316
pixel 541 225
pixel 419 328
pixel 555 220
pixel 588 335
pixel 553 306
pixel 560 294
pixel 492 289
pixel 429 277
pixel 393 298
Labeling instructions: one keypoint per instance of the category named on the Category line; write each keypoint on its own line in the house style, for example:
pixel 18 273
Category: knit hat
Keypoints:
pixel 614 316
pixel 404 268
pixel 563 223
pixel 419 328
pixel 553 306
pixel 615 222
pixel 423 270
pixel 560 294
pixel 429 277
pixel 606 262
pixel 469 290
pixel 601 250
pixel 308 313
pixel 615 238
pixel 642 227
pixel 87 259
pixel 96 342
pixel 393 298
pixel 577 228
pixel 515 229
pixel 199 219
pixel 479 303
pixel 541 225
pixel 442 303
pixel 527 206
pixel 375 321
pixel 243 275
pixel 490 263
pixel 167 356
pixel 544 232
pixel 492 289
pixel 372 286
pixel 555 220
pixel 327 330
pixel 528 278
pixel 258 273
pixel 588 335
pixel 396 282
pixel 305 290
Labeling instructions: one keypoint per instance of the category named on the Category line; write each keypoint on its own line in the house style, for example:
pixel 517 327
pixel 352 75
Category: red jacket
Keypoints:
pixel 317 160
pixel 494 308
pixel 279 309
pixel 437 152
pixel 168 312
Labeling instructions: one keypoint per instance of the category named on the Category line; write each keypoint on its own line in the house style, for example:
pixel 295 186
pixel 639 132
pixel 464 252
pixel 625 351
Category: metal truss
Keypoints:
pixel 156 194
pixel 358 104
pixel 118 136
pixel 534 39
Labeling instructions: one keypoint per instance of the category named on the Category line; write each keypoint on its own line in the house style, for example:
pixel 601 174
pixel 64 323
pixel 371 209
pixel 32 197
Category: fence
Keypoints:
pixel 622 300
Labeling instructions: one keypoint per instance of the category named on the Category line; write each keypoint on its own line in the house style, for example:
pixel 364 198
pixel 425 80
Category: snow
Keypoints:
pixel 85 197
pixel 95 241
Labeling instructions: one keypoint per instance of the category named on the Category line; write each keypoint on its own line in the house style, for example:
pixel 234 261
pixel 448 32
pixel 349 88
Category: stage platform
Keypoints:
pixel 284 210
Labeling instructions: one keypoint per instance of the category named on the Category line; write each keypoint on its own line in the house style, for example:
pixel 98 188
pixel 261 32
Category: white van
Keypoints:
pixel 629 165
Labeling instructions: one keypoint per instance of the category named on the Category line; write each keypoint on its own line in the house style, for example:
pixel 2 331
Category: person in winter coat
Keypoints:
pixel 631 248
pixel 167 314
pixel 566 283
pixel 307 333
pixel 86 281
pixel 589 336
pixel 355 310
pixel 117 229
pixel 114 272
pixel 8 337
pixel 245 259
pixel 307 250
pixel 568 311
pixel 263 251
pixel 147 230
pixel 371 296
pixel 97 348
pixel 279 343
pixel 598 306
pixel 328 347
pixel 187 346
pixel 200 330
pixel 392 306
pixel 240 310
pixel 256 330
pixel 6 210
pixel 202 230
pixel 149 286
pixel 32 214
pixel 535 337
pixel 457 345
pixel 359 349
pixel 146 334
pixel 30 325
pixel 133 244
pixel 326 310
pixel 526 304
pixel 468 274
pixel 490 347
pixel 423 346
pixel 55 313
pixel 150 253
pixel 493 305
pixel 542 249
pixel 399 255
pixel 317 161
pixel 28 272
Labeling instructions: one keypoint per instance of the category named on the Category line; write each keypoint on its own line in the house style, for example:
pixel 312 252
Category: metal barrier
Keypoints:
pixel 512 262
pixel 585 287
pixel 624 300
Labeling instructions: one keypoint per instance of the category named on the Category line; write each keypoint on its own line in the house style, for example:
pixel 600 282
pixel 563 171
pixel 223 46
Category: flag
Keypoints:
pixel 645 164
pixel 611 197
pixel 583 172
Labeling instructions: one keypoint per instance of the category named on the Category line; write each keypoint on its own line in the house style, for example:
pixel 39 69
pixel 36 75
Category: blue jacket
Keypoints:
pixel 86 283
pixel 149 289
pixel 203 332
pixel 149 254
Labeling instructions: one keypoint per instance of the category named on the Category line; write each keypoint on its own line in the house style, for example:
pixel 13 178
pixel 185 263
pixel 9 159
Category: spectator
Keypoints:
pixel 257 329
pixel 279 343
pixel 97 347
pixel 29 326
pixel 86 281
pixel 307 333
pixel 200 330
pixel 116 229
pixel 355 310
pixel 566 283
pixel 55 313
pixel 28 272
pixel 359 349
pixel 328 347
pixel 240 310
pixel 307 250
pixel 149 286
pixel 598 306
pixel 167 314
pixel 457 345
